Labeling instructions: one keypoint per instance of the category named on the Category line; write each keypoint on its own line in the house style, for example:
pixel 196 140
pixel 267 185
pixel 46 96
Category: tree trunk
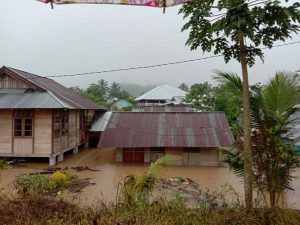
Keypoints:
pixel 246 126
pixel 272 199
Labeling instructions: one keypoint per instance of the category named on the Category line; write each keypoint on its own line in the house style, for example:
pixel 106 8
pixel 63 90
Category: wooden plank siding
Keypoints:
pixel 43 142
pixel 7 81
pixel 6 131
pixel 23 146
pixel 42 132
pixel 72 128
pixel 73 138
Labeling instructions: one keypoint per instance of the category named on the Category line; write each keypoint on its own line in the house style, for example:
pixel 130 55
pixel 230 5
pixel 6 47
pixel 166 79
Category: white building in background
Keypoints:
pixel 163 94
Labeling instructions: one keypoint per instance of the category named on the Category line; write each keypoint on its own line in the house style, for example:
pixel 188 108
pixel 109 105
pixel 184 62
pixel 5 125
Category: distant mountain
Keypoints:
pixel 136 90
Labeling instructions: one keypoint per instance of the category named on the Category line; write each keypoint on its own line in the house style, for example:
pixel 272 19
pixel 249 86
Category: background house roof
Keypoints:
pixel 175 108
pixel 62 96
pixel 162 92
pixel 145 129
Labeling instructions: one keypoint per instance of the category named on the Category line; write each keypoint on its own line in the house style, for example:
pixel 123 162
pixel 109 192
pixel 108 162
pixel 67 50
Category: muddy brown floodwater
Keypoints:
pixel 111 173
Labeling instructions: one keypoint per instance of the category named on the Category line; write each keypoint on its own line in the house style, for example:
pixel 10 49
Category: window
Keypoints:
pixel 82 120
pixel 65 123
pixel 56 124
pixel 23 123
pixel 60 123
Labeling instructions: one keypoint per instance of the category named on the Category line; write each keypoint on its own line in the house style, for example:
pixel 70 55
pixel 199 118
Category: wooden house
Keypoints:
pixel 41 118
pixel 190 138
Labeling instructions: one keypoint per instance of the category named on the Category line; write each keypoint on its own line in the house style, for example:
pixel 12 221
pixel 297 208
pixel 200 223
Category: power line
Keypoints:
pixel 152 66
pixel 250 4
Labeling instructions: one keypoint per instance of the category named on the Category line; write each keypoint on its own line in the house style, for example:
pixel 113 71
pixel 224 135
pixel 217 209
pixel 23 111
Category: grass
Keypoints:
pixel 43 211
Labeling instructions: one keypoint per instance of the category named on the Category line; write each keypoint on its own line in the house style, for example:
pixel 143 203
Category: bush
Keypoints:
pixel 32 183
pixel 4 164
pixel 38 183
pixel 60 179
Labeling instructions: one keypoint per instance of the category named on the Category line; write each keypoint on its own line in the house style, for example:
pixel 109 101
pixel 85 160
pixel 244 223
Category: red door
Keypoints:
pixel 133 155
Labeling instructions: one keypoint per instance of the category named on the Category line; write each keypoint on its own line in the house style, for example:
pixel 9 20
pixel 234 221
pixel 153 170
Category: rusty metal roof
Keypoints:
pixel 167 129
pixel 63 95
pixel 165 109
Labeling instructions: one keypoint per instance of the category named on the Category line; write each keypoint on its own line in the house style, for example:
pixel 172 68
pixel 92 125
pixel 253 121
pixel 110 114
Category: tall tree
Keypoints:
pixel 228 101
pixel 115 91
pixel 261 23
pixel 184 87
pixel 103 88
pixel 272 108
pixel 201 97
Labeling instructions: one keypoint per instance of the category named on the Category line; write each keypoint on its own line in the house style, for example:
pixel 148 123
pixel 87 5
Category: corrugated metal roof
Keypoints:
pixel 63 95
pixel 35 100
pixel 134 129
pixel 165 109
pixel 294 134
pixel 100 122
pixel 162 92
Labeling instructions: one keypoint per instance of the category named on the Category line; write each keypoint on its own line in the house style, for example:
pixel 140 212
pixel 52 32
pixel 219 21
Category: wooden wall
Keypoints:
pixel 5 131
pixel 7 81
pixel 43 141
pixel 42 132
pixel 74 137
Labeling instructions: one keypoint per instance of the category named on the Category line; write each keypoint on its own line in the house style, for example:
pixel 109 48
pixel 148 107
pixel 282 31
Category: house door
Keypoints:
pixel 133 155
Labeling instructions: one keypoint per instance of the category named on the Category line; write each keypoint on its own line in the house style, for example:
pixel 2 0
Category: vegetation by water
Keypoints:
pixel 134 204
pixel 41 211
pixel 41 183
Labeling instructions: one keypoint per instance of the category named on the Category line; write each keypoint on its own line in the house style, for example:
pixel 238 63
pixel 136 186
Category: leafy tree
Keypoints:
pixel 201 97
pixel 272 107
pixel 228 101
pixel 76 89
pixel 260 23
pixel 103 88
pixel 115 91
pixel 184 87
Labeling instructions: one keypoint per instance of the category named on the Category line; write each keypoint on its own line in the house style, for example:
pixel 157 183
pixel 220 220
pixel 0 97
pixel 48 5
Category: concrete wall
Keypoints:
pixel 119 155
pixel 175 155
pixel 205 157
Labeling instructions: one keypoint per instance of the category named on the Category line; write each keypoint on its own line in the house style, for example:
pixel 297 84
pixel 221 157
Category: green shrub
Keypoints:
pixel 32 183
pixel 4 165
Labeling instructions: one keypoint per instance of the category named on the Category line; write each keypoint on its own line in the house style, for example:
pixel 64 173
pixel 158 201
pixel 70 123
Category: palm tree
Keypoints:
pixel 271 108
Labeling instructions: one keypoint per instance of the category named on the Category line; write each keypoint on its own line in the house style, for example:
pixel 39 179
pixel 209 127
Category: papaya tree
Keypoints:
pixel 238 30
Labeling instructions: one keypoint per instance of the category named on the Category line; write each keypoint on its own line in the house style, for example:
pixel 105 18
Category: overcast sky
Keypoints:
pixel 84 38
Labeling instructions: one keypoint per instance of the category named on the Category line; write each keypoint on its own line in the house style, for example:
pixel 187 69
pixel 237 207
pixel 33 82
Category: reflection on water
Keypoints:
pixel 111 173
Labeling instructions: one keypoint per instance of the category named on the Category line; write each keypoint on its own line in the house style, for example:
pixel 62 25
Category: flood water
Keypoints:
pixel 111 173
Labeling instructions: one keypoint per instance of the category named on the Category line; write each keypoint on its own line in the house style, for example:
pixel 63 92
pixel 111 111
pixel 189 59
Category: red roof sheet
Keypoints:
pixel 166 109
pixel 167 129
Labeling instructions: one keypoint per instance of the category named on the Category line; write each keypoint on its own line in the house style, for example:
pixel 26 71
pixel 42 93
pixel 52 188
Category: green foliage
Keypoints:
pixel 102 93
pixel 184 87
pixel 4 165
pixel 272 107
pixel 39 183
pixel 137 188
pixel 32 183
pixel 201 97
pixel 51 212
pixel 261 23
